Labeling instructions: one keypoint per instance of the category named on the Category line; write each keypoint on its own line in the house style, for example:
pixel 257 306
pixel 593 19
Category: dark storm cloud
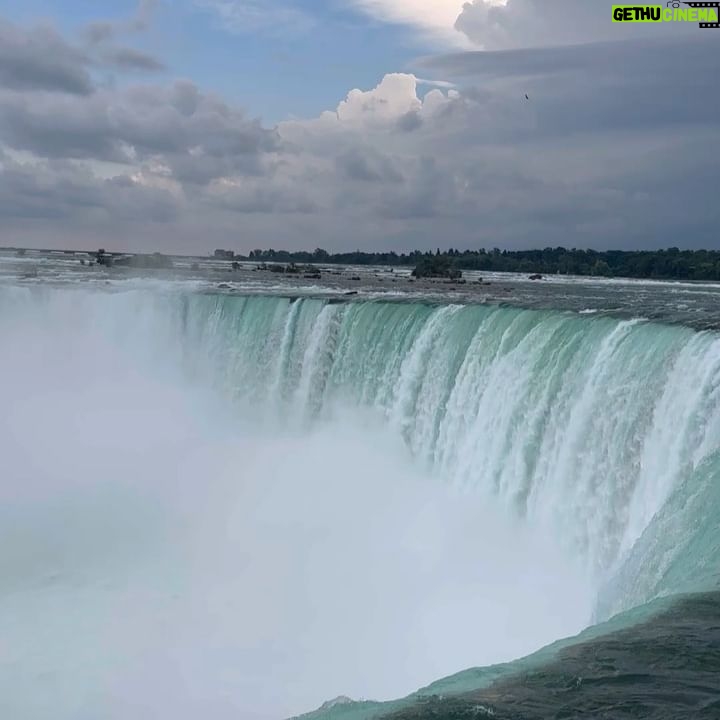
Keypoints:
pixel 40 59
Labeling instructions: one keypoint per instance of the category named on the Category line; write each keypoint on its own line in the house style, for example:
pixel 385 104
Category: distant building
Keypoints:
pixel 224 254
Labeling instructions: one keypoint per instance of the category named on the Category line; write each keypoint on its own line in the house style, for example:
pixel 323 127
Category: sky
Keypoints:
pixel 188 125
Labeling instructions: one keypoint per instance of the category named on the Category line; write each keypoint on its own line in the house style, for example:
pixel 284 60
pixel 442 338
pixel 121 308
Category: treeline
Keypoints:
pixel 661 264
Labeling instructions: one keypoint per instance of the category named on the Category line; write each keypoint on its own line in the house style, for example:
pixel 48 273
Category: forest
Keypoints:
pixel 671 263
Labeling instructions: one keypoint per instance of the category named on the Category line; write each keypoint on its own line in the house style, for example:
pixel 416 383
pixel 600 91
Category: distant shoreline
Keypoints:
pixel 667 264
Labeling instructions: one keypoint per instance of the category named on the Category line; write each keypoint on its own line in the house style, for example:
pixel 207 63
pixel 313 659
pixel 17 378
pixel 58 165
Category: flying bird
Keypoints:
pixel 526 96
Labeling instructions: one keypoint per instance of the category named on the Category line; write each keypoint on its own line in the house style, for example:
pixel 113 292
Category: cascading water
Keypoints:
pixel 584 426
pixel 560 468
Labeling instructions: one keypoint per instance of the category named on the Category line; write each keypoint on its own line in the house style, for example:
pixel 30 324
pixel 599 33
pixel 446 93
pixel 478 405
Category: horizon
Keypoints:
pixel 400 253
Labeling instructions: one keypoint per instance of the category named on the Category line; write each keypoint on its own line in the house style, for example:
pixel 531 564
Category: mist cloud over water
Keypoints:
pixel 163 553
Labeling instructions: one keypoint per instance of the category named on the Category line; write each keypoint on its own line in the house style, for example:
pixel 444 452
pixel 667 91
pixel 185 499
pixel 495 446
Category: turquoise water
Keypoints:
pixel 605 430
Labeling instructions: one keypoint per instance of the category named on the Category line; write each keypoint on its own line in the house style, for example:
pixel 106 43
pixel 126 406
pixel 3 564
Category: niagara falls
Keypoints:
pixel 223 496
pixel 359 360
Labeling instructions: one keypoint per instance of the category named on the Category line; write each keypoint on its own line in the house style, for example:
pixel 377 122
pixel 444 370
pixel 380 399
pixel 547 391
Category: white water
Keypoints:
pixel 207 507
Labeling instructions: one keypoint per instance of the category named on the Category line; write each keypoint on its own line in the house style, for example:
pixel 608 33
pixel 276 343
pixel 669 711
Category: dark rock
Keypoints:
pixel 436 266
pixel 351 292
pixel 156 261
pixel 224 286
pixel 664 668
pixel 101 258
pixel 535 277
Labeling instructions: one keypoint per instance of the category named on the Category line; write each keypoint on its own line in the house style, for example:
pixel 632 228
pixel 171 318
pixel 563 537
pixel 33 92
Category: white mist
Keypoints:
pixel 163 557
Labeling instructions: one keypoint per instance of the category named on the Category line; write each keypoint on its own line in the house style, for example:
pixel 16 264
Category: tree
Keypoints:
pixel 601 268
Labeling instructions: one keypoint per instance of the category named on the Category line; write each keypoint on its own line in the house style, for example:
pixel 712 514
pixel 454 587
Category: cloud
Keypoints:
pixel 436 83
pixel 543 23
pixel 131 59
pixel 434 19
pixel 396 95
pixel 106 30
pixel 71 193
pixel 410 121
pixel 40 59
pixel 247 16
pixel 613 149
pixel 596 87
pixel 100 37
pixel 367 165
pixel 197 134
pixel 252 196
